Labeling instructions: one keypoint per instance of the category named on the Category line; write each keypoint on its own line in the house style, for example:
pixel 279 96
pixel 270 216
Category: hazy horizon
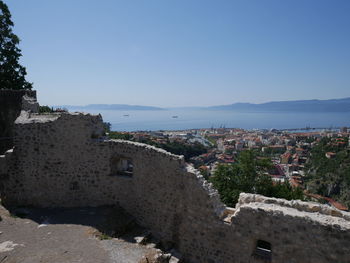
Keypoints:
pixel 184 53
pixel 148 105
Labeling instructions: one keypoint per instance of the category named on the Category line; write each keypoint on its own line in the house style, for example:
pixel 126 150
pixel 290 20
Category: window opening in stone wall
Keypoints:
pixel 122 166
pixel 263 250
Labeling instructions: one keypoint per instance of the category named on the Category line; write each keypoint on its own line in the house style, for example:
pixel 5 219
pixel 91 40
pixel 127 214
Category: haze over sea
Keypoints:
pixel 136 120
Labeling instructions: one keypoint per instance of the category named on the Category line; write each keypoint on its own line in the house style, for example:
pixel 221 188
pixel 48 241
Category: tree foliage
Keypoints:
pixel 12 74
pixel 120 135
pixel 107 126
pixel 248 175
pixel 45 109
pixel 185 149
pixel 188 150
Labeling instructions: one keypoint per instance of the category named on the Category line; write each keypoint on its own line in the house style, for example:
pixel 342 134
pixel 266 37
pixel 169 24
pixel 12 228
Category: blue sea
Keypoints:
pixel 195 119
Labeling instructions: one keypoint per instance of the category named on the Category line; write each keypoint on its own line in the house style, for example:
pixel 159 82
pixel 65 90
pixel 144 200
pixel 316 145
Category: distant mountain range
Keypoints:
pixel 332 105
pixel 110 107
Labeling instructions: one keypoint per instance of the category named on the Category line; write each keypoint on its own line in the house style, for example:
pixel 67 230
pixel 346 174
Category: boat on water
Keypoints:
pixel 126 115
pixel 174 116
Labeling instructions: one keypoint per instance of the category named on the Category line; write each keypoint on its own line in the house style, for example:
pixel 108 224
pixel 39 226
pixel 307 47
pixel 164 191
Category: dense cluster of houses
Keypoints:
pixel 288 150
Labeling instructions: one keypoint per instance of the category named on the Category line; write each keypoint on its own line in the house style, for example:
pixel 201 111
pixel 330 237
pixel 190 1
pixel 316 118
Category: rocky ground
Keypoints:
pixel 104 234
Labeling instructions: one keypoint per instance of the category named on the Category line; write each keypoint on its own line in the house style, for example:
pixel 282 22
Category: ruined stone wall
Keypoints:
pixel 11 104
pixel 63 160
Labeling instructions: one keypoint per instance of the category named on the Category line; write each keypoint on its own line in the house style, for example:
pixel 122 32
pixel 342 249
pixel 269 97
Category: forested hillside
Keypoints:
pixel 328 169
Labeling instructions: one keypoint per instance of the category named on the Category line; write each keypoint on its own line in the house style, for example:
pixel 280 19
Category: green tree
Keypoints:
pixel 249 174
pixel 45 109
pixel 227 180
pixel 12 74
pixel 107 126
pixel 120 135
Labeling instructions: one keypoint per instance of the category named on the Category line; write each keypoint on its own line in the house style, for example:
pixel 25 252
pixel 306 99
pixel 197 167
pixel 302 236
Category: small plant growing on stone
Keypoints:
pixel 103 236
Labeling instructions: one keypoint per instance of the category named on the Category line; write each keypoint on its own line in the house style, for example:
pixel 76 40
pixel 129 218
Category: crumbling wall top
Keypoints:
pixel 26 117
pixel 150 148
pixel 323 214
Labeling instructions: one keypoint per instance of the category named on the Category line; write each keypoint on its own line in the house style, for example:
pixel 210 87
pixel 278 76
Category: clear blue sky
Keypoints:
pixel 184 52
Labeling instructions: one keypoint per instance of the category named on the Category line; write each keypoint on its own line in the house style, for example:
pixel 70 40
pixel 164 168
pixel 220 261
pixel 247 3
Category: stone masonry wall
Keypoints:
pixel 63 160
pixel 11 104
